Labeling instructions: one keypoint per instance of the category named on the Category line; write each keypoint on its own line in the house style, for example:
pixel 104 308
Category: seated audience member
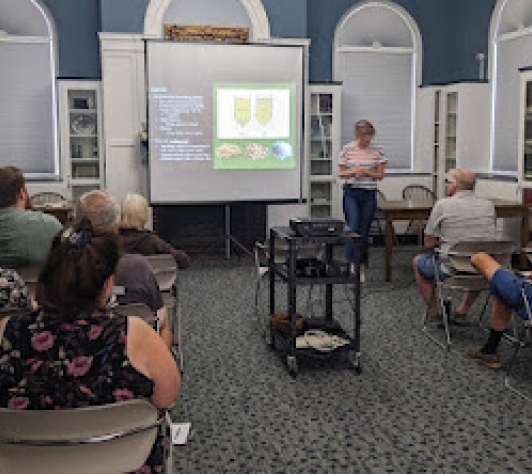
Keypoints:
pixel 506 288
pixel 459 216
pixel 134 273
pixel 74 352
pixel 25 235
pixel 13 293
pixel 137 239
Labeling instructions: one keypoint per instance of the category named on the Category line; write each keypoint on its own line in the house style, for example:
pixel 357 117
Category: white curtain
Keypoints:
pixel 378 86
pixel 511 54
pixel 28 128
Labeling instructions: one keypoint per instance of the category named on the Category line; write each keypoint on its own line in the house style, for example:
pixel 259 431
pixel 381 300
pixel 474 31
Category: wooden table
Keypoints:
pixel 62 212
pixel 420 210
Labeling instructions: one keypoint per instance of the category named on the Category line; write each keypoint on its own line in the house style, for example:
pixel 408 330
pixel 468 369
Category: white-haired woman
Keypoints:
pixel 137 239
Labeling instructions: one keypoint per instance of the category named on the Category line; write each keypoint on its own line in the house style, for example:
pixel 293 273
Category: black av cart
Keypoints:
pixel 326 271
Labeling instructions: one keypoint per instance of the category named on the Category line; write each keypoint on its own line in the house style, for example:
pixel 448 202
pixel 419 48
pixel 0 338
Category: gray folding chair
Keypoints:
pixel 141 310
pixel 463 277
pixel 114 438
pixel 165 270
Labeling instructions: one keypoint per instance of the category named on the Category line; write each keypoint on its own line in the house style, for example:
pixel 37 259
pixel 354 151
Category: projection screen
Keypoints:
pixel 224 122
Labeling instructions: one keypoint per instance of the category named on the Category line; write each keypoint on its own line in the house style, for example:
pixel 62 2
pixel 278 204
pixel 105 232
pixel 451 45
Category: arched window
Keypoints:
pixel 28 114
pixel 511 49
pixel 377 56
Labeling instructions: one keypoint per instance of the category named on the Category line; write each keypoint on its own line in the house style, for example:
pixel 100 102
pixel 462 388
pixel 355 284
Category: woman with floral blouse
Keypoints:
pixel 74 352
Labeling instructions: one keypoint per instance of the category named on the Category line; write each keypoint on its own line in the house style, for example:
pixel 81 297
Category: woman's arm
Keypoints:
pixel 161 246
pixel 345 171
pixel 150 356
pixel 376 174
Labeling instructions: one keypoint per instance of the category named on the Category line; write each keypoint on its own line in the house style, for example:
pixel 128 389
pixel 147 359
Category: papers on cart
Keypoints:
pixel 320 341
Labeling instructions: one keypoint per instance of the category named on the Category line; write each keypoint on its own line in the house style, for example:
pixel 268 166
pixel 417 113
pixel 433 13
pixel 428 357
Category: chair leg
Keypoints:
pixel 169 463
pixel 445 305
pixel 508 375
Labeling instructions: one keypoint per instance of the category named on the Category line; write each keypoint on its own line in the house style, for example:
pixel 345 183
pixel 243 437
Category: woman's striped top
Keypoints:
pixel 369 158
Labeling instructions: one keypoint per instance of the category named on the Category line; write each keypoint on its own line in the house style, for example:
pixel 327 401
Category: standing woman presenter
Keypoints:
pixel 361 165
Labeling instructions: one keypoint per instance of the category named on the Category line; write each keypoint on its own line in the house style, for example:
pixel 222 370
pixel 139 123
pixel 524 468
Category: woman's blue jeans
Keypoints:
pixel 359 209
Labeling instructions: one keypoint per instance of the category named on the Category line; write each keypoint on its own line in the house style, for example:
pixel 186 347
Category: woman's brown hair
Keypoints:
pixel 79 263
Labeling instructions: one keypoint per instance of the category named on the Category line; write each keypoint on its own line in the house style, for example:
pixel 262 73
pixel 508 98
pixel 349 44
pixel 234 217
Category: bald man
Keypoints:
pixel 459 216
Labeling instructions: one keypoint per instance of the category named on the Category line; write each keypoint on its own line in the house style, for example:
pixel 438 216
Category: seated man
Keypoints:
pixel 460 216
pixel 25 235
pixel 134 272
pixel 507 290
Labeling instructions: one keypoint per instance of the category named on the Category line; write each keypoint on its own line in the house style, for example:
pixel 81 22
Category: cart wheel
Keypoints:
pixel 291 362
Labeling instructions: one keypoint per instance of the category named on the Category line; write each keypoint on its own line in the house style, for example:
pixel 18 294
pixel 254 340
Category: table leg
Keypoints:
pixel 388 250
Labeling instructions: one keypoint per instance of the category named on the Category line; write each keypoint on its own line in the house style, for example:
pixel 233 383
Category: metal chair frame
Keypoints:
pixel 463 277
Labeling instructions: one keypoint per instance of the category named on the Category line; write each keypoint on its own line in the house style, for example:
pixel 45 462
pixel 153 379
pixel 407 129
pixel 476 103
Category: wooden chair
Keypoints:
pixel 417 192
pixel 93 440
pixel 47 197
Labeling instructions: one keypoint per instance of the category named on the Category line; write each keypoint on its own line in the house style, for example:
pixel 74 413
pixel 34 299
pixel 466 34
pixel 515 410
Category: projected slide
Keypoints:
pixel 225 122
pixel 254 127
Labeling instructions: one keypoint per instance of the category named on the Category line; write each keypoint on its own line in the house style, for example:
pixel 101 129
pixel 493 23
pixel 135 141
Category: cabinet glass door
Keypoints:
pixel 527 145
pixel 83 134
pixel 450 130
pixel 321 154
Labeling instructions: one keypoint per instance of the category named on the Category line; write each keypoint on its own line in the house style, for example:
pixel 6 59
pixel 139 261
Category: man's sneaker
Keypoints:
pixel 489 360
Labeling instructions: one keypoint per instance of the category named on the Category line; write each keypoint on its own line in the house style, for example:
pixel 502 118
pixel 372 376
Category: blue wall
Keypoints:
pixel 123 16
pixel 474 24
pixel 453 32
pixel 288 18
pixel 77 23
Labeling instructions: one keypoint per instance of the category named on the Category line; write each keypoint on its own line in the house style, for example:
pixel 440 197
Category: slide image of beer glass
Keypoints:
pixel 242 110
pixel 263 109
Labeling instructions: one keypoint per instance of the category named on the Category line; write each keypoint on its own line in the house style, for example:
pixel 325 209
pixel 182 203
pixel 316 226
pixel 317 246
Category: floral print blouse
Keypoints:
pixel 52 359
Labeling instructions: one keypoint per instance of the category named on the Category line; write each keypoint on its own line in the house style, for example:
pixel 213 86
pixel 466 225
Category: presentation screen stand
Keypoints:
pixel 229 238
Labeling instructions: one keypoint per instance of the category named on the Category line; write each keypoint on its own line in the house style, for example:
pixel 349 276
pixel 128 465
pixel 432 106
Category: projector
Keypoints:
pixel 316 227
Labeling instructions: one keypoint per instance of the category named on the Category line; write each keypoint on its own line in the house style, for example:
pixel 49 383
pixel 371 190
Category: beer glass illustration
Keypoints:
pixel 242 110
pixel 263 109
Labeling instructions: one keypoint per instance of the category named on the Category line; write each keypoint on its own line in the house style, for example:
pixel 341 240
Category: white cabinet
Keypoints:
pixel 453 131
pixel 323 150
pixel 81 136
pixel 525 130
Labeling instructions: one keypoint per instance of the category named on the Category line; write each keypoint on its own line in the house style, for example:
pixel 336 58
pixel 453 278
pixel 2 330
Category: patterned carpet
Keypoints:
pixel 413 409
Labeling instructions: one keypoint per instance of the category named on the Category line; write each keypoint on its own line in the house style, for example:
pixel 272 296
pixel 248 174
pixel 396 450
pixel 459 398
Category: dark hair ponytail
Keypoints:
pixel 79 263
